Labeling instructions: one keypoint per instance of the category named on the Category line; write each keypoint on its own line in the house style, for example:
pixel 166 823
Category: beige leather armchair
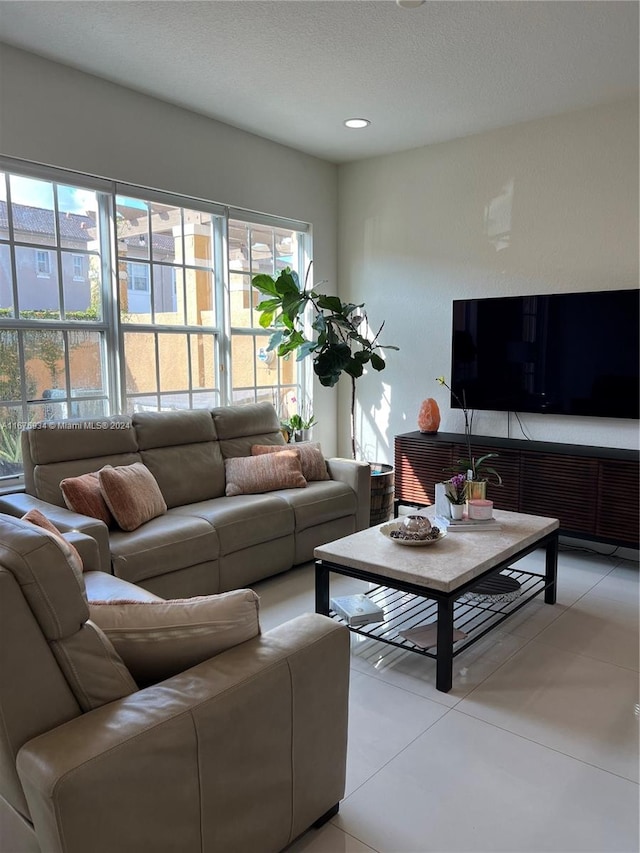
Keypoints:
pixel 242 752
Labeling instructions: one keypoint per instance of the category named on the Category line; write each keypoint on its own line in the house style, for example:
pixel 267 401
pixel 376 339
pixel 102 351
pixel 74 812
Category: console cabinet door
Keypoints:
pixel 561 487
pixel 618 509
pixel 419 466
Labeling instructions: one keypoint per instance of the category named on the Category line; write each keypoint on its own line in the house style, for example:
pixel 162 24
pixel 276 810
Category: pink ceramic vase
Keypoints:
pixel 429 416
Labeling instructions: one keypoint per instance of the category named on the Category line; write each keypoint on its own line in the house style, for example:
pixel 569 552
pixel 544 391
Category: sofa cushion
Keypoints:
pixel 82 494
pixel 238 427
pixel 181 451
pixel 47 478
pixel 157 639
pixel 60 441
pixel 163 545
pixel 312 461
pixel 253 475
pixel 245 521
pixel 132 494
pixel 70 551
pixel 320 502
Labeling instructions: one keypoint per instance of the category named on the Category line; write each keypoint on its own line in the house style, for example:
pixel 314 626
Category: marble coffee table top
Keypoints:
pixel 445 565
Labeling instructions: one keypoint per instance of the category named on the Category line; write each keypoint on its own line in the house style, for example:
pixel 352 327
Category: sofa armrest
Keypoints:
pixel 88 549
pixel 65 520
pixel 242 752
pixel 358 476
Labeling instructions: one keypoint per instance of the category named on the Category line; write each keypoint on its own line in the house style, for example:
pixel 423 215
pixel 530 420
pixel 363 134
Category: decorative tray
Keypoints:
pixel 396 525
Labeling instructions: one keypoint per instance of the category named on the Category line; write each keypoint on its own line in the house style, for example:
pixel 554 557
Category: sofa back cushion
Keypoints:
pixel 54 450
pixel 55 594
pixel 157 639
pixel 182 452
pixel 240 427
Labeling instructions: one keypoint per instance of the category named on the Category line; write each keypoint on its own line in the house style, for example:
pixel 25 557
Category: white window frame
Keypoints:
pixel 111 327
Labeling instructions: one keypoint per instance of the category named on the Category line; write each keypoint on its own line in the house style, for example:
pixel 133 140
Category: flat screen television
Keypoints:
pixel 560 353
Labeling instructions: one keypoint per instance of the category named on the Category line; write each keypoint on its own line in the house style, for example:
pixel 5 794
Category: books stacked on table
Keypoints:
pixel 357 609
pixel 466 524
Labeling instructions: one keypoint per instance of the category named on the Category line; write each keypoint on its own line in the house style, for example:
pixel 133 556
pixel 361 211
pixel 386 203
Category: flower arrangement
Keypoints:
pixel 456 489
pixel 479 470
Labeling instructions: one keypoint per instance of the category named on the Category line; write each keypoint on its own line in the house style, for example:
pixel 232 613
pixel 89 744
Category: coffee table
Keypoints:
pixel 431 584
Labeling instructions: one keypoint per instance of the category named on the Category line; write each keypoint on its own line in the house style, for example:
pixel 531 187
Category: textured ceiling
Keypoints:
pixel 293 70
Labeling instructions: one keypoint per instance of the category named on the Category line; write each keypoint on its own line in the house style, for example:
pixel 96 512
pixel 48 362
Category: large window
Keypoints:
pixel 257 373
pixel 118 300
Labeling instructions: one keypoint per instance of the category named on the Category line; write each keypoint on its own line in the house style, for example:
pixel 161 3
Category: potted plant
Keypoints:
pixel 456 494
pixel 475 469
pixel 341 343
pixel 298 427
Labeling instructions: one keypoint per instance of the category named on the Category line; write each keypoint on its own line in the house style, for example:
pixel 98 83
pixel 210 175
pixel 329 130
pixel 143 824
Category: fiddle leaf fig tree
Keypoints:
pixel 338 346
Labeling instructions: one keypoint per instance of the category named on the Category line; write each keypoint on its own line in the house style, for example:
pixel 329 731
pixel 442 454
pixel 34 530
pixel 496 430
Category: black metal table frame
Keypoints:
pixel 445 600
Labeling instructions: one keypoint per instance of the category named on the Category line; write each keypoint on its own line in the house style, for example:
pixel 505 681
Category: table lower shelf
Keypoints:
pixel 475 618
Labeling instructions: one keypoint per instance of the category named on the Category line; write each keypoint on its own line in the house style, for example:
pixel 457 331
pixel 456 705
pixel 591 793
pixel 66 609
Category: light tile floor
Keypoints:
pixel 534 749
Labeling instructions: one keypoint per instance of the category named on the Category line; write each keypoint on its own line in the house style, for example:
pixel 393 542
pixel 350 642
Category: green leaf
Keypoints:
pixel 264 283
pixel 377 362
pixel 268 305
pixel 287 283
pixel 266 319
pixel 330 303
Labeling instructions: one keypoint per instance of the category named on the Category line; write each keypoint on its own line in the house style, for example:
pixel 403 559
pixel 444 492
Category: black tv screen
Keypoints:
pixel 561 353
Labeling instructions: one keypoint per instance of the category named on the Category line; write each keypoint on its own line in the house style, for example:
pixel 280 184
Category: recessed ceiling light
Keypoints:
pixel 410 4
pixel 357 122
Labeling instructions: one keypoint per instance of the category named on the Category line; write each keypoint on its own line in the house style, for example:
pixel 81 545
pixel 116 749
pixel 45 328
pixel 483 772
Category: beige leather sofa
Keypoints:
pixel 206 542
pixel 242 752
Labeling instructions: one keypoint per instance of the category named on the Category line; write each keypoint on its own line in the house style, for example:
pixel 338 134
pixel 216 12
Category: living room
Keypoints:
pixel 545 202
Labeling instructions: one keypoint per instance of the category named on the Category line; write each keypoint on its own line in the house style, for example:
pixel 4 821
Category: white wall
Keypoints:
pixel 52 114
pixel 414 236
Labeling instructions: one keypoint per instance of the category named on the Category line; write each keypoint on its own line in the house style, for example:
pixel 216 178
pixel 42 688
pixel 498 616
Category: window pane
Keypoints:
pixel 10 444
pixel 86 363
pixel 243 361
pixel 143 403
pixel 240 298
pixel 44 365
pixel 261 250
pixel 203 368
pixel 287 249
pixel 89 408
pixel 6 289
pixel 37 274
pixel 95 287
pixel 77 217
pixel 132 228
pixel 266 362
pixel 76 284
pixel 173 363
pixel 198 238
pixel 200 298
pixel 10 388
pixel 167 283
pixel 242 396
pixel 207 400
pixel 172 402
pixel 238 246
pixel 32 211
pixel 166 230
pixel 140 362
pixel 288 369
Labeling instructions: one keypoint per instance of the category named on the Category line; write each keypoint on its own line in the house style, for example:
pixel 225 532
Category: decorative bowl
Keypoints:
pixel 387 529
